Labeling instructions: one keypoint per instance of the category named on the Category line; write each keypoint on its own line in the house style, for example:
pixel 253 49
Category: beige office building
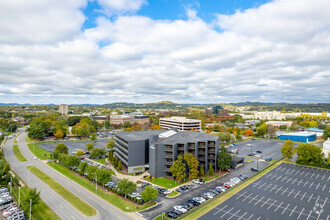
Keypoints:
pixel 180 123
pixel 63 109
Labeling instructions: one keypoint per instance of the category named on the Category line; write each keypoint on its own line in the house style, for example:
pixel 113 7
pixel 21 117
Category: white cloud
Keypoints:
pixel 182 60
pixel 40 21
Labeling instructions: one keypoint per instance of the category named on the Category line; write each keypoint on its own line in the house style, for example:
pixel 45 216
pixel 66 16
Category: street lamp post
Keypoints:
pixel 19 196
pixel 257 163
pixel 95 182
pixel 11 184
pixel 30 208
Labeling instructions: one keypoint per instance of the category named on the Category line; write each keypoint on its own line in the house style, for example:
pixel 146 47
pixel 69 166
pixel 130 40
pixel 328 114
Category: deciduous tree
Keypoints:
pixel 224 159
pixel 61 149
pixel 309 154
pixel 192 164
pixel 125 186
pixel 149 193
pixel 288 150
pixel 178 169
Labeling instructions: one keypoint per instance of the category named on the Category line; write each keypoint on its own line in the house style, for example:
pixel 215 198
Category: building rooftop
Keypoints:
pixel 302 134
pixel 138 135
pixel 278 122
pixel 180 119
pixel 187 136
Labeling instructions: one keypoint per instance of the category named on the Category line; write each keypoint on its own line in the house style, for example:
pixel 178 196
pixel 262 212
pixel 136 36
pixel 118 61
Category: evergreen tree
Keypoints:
pixel 211 171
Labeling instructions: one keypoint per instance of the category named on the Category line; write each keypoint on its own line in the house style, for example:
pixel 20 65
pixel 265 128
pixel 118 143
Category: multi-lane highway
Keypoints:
pixel 60 206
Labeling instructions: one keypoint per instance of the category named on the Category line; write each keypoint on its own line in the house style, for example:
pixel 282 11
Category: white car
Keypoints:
pixel 197 181
pixel 168 192
pixel 180 208
pixel 258 155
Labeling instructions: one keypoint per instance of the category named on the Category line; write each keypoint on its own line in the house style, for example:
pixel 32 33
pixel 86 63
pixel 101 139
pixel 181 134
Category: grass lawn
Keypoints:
pixel 174 193
pixel 79 204
pixel 211 204
pixel 166 183
pixel 160 218
pixel 18 154
pixel 41 211
pixel 39 152
pixel 108 196
pixel 102 160
pixel 248 160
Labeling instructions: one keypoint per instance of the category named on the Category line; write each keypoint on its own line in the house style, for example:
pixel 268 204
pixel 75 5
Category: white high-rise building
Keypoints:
pixel 180 123
pixel 63 109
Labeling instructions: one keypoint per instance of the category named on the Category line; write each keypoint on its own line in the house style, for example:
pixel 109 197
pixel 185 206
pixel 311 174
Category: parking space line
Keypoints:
pixel 234 214
pixel 271 204
pixel 258 217
pixel 279 189
pixel 324 187
pixel 294 181
pixel 284 178
pixel 227 212
pixel 299 182
pixel 259 200
pixel 251 216
pixel 268 186
pixel 328 218
pixel 317 176
pixel 289 180
pixel 284 191
pixel 278 206
pixel 303 196
pixel 278 178
pixel 247 197
pixel 290 192
pixel 301 213
pixel 261 186
pixel 253 198
pixel 273 188
pixel 307 173
pixel 293 210
pixel 309 215
pixel 310 197
pixel 220 210
pixel 302 172
pixel 317 199
pixel 305 183
pixel 296 194
pixel 285 208
pixel 242 216
pixel 318 185
pixel 312 175
pixel 328 178
pixel 240 195
pixel 311 185
pixel 323 176
pixel 256 184
pixel 265 202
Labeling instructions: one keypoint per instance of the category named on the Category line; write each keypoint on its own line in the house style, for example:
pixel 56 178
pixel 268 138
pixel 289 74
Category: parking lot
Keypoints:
pixel 269 148
pixel 167 204
pixel 287 192
pixel 72 145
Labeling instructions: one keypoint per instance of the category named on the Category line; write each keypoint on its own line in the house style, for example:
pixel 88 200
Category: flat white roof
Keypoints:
pixel 303 134
pixel 179 119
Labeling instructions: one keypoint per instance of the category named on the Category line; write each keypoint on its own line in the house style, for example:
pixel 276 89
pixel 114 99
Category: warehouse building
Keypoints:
pixel 304 137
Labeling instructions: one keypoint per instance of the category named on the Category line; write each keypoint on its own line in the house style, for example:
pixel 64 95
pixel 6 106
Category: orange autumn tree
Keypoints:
pixel 249 132
pixel 156 127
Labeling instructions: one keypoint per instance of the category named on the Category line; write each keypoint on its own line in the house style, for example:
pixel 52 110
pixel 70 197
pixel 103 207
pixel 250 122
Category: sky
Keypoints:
pixel 185 51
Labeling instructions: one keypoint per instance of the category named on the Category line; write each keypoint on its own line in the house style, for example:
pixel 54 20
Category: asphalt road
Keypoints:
pixel 60 206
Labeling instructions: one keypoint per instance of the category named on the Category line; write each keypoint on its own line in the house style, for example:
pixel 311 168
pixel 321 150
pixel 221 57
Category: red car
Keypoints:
pixel 227 170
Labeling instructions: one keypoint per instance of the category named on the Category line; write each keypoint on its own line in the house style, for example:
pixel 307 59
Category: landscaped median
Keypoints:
pixel 110 197
pixel 39 152
pixel 165 182
pixel 79 204
pixel 18 154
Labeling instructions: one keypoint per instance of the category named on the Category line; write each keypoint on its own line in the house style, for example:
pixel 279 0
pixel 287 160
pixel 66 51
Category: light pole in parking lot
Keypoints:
pixel 30 208
pixel 95 182
pixel 250 145
pixel 19 196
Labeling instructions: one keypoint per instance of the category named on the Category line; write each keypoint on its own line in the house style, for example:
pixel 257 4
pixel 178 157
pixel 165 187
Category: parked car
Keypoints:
pixel 194 202
pixel 255 169
pixel 259 151
pixel 144 184
pixel 198 181
pixel 227 170
pixel 258 155
pixel 171 215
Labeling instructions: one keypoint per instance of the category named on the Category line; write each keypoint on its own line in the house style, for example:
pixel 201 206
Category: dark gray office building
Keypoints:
pixel 157 149
pixel 132 148
pixel 165 149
